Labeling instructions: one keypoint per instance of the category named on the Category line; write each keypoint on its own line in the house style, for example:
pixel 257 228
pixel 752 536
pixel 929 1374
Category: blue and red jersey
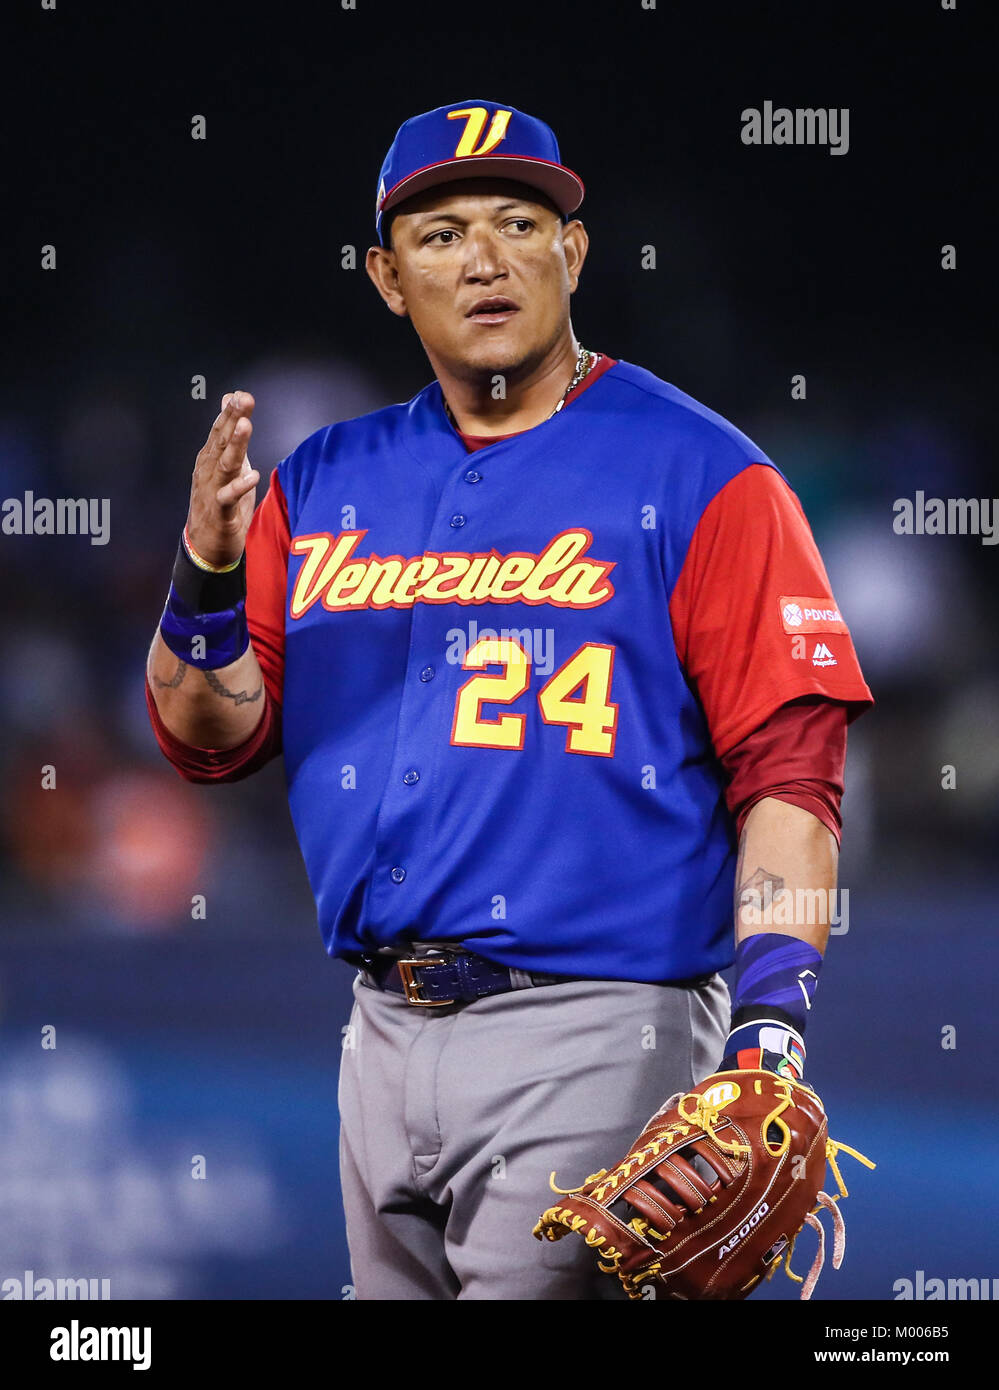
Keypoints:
pixel 505 681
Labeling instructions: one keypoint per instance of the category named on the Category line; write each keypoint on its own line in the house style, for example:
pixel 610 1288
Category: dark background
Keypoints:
pixel 222 258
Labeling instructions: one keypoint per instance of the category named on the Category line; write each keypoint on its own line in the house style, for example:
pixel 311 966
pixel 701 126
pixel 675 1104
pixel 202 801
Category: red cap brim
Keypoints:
pixel 561 185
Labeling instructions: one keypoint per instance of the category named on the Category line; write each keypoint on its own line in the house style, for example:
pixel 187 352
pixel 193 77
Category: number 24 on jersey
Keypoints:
pixel 589 718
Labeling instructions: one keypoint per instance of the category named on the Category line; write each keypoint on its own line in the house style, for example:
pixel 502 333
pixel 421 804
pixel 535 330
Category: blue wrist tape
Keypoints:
pixel 204 621
pixel 775 980
pixel 206 640
pixel 776 971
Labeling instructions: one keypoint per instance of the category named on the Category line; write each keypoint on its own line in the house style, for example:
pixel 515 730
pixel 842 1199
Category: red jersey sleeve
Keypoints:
pixel 753 614
pixel 267 542
pixel 219 764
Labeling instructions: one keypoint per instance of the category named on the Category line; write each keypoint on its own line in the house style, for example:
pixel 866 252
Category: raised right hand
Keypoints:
pixel 223 486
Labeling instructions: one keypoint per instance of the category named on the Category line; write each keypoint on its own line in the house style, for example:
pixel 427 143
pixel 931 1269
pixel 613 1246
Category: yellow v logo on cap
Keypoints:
pixel 475 120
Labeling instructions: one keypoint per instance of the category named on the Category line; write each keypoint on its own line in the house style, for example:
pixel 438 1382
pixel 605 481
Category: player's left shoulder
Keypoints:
pixel 688 421
pixel 694 451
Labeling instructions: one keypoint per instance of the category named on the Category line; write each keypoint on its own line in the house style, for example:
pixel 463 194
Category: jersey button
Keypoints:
pixel 457 519
pixel 473 476
pixel 398 874
pixel 411 776
pixel 427 674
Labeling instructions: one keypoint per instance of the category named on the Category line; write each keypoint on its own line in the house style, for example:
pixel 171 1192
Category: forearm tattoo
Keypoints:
pixel 761 888
pixel 239 697
pixel 178 676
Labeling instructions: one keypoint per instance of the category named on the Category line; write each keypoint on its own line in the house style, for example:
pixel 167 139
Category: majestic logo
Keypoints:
pixel 475 119
pixel 822 656
pixel 798 614
pixel 559 575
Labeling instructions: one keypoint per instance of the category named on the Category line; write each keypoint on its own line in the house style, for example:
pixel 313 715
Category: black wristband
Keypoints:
pixel 204 592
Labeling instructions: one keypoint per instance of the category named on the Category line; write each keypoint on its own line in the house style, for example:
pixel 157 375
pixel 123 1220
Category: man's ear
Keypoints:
pixel 576 244
pixel 381 266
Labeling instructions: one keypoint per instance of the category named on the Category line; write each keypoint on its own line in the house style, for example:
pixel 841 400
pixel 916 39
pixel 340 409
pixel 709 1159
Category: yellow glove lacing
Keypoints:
pixel 833 1149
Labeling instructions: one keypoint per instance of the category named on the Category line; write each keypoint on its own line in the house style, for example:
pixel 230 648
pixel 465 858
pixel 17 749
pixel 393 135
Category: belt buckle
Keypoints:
pixel 412 987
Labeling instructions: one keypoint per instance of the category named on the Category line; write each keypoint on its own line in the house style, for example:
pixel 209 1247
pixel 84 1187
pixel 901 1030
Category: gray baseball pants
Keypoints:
pixel 453 1118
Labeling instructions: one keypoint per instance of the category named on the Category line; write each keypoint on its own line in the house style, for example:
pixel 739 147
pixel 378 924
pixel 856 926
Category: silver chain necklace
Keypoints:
pixel 584 361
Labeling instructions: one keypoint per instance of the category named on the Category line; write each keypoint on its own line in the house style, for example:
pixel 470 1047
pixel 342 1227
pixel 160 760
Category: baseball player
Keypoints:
pixel 558 677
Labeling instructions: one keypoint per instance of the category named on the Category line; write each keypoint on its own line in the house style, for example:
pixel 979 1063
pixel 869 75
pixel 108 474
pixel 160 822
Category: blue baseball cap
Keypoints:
pixel 473 139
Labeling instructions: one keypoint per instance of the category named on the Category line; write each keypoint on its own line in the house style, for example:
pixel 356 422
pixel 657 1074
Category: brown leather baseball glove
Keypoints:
pixel 713 1193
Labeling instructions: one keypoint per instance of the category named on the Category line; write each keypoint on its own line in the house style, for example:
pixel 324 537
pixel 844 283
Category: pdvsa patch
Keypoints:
pixel 800 614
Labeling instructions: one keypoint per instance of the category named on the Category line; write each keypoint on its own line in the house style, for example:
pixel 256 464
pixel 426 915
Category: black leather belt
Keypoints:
pixel 449 978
